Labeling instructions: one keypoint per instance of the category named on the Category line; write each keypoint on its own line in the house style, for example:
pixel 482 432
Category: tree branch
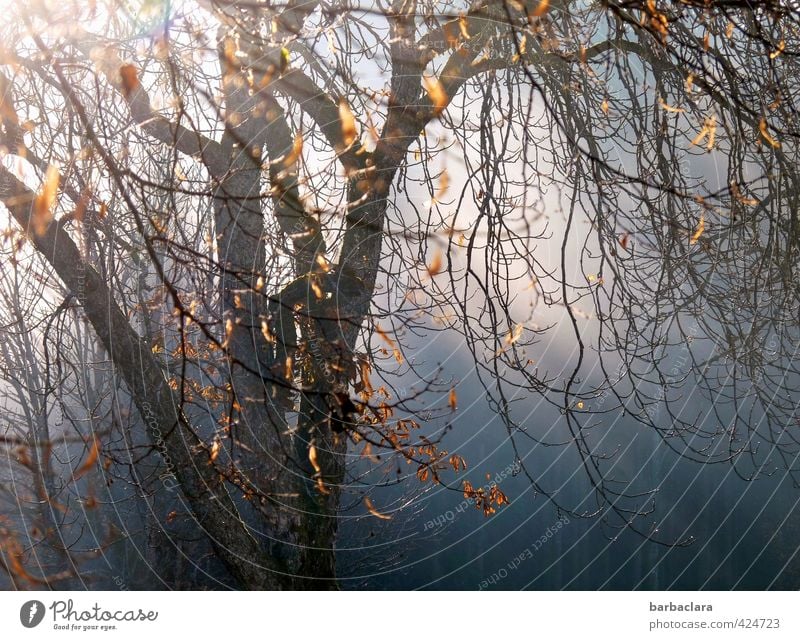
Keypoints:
pixel 167 425
pixel 192 143
pixel 325 113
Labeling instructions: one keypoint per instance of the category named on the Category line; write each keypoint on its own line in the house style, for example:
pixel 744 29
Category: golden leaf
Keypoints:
pixel 313 459
pixel 436 92
pixel 349 132
pixel 452 399
pixel 215 447
pixel 514 335
pixel 521 47
pixel 709 131
pixel 266 332
pixel 712 132
pixel 228 331
pixel 43 205
pixel 701 226
pixel 670 109
pixel 323 263
pixel 462 25
pixel 762 128
pixel 371 508
pixel 297 150
pixel 740 197
pixel 540 9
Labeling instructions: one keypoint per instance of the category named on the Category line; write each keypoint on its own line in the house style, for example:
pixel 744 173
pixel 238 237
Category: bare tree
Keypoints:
pixel 287 195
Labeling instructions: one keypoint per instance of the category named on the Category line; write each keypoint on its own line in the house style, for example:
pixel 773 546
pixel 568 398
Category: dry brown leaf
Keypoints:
pixel 90 461
pixel 457 462
pixel 436 265
pixel 83 203
pixel 371 508
pixel 385 336
pixel 741 197
pixel 129 78
pixel 444 185
pixel 762 128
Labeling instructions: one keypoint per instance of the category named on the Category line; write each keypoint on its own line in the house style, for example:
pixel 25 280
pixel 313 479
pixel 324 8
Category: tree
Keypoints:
pixel 253 172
